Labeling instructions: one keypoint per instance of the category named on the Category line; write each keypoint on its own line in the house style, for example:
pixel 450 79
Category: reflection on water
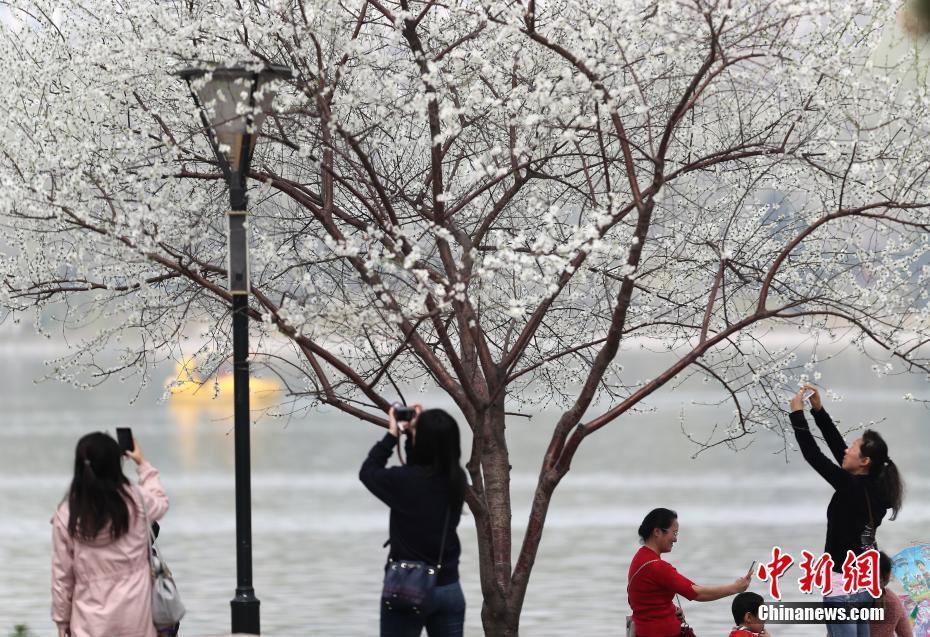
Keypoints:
pixel 318 533
pixel 193 398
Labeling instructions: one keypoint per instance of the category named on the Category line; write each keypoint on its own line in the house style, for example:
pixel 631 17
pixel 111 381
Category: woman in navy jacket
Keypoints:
pixel 425 496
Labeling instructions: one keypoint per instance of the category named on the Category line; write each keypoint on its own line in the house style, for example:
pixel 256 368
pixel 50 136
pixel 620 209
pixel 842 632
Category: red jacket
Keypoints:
pixel 652 586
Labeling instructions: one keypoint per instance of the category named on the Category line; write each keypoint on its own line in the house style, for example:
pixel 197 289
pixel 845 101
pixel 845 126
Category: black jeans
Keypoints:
pixel 444 616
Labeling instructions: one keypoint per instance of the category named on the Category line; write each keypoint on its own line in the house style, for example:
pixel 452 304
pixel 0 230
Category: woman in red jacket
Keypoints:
pixel 653 583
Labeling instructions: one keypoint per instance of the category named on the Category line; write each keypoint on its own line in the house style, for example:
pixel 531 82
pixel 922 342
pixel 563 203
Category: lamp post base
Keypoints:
pixel 245 618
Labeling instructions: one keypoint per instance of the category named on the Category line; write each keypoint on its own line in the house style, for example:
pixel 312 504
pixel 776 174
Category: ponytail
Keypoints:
pixel 883 471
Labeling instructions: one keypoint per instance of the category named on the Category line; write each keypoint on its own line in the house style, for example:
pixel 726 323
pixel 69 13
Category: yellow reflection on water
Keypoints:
pixel 193 400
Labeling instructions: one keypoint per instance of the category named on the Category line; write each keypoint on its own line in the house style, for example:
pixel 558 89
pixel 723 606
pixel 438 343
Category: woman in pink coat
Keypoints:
pixel 101 575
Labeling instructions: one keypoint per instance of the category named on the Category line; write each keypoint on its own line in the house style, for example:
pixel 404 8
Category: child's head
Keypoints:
pixel 746 611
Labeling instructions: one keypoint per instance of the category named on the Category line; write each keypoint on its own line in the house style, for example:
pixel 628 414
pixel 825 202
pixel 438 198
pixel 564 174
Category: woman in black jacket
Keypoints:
pixel 425 496
pixel 866 484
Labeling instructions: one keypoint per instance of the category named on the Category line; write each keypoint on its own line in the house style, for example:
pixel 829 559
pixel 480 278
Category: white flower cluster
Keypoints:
pixel 485 191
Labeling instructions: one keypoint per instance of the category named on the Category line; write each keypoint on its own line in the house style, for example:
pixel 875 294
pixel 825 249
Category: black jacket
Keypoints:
pixel 418 502
pixel 848 512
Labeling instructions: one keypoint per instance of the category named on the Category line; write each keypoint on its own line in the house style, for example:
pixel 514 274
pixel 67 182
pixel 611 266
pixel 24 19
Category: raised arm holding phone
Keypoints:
pixel 101 575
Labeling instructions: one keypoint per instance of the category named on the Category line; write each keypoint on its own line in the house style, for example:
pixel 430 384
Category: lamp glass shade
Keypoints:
pixel 235 101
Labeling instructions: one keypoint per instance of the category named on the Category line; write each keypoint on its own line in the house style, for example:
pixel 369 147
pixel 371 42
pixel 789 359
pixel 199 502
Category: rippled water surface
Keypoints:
pixel 318 533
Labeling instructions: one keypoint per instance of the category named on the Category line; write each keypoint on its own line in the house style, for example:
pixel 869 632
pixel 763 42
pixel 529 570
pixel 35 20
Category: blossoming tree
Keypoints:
pixel 486 197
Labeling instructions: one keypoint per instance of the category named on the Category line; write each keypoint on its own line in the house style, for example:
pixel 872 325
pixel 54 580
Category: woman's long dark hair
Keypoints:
pixel 883 471
pixel 437 445
pixel 97 497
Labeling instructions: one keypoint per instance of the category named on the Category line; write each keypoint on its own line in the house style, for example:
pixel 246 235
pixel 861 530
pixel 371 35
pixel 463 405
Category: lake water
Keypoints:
pixel 318 533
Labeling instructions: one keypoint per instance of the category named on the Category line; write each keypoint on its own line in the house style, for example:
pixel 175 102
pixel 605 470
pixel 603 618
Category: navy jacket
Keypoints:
pixel 847 513
pixel 418 503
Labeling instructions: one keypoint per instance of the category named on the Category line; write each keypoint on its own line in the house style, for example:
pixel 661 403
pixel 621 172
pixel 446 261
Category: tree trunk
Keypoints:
pixel 500 625
pixel 503 586
pixel 500 616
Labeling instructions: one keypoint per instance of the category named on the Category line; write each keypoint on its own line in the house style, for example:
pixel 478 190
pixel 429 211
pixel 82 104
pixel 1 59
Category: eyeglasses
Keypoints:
pixel 675 532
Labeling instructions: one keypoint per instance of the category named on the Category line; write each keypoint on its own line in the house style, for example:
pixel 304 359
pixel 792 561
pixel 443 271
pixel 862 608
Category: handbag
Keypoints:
pixel 167 608
pixel 686 630
pixel 867 539
pixel 408 584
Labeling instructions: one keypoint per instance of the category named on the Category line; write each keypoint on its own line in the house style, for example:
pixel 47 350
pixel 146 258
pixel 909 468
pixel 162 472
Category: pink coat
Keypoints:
pixel 104 588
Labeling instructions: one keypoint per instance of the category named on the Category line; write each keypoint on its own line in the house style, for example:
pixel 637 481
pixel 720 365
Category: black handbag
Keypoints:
pixel 867 539
pixel 408 584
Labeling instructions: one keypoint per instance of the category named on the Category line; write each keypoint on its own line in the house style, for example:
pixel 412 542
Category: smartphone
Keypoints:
pixel 124 438
pixel 752 569
pixel 807 394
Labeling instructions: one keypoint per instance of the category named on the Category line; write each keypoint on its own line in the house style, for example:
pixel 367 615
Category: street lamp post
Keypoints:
pixel 233 102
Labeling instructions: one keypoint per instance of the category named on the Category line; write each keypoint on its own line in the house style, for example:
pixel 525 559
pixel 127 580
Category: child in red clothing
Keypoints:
pixel 746 616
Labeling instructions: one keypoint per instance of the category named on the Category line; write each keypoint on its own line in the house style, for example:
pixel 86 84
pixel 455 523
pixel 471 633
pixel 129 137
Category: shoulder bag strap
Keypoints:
pixel 154 552
pixel 637 573
pixel 442 544
pixel 148 527
pixel 678 599
pixel 676 594
pixel 872 531
pixel 868 503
